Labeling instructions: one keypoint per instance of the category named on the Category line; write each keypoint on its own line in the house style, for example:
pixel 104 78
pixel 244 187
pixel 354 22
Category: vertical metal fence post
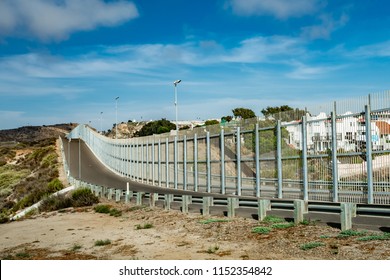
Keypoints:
pixel 222 144
pixel 208 161
pixel 195 162
pixel 153 162
pixel 304 159
pixel 159 173
pixel 175 151
pixel 335 176
pixel 370 197
pixel 167 162
pixel 185 162
pixel 142 162
pixel 137 160
pixel 257 159
pixel 238 160
pixel 279 158
pixel 147 167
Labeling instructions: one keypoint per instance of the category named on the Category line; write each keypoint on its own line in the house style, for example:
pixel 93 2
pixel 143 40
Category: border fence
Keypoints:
pixel 338 152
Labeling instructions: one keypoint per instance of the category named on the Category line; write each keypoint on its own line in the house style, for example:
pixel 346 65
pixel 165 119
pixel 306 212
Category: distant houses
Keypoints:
pixel 350 132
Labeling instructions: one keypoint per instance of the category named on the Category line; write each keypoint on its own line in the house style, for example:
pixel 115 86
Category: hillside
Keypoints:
pixel 35 133
pixel 29 165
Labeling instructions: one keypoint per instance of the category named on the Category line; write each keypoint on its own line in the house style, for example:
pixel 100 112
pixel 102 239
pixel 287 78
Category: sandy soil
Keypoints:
pixel 72 233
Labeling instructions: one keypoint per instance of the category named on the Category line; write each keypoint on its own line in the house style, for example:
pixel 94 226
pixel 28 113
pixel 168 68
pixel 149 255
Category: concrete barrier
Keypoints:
pixel 186 201
pixel 348 211
pixel 300 208
pixel 140 196
pixel 167 202
pixel 264 205
pixel 233 203
pixel 207 202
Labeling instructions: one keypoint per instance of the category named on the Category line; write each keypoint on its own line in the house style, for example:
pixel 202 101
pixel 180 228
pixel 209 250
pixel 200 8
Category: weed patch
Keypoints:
pixel 145 226
pixel 102 242
pixel 83 197
pixel 273 220
pixel 102 208
pixel 311 245
pixel 350 233
pixel 261 230
pixel 385 236
pixel 282 226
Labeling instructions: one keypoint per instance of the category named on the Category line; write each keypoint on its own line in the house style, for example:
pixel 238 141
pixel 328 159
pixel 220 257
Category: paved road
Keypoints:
pixel 93 171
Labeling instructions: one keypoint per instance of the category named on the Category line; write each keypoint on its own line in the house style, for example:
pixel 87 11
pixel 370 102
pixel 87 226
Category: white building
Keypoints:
pixel 350 133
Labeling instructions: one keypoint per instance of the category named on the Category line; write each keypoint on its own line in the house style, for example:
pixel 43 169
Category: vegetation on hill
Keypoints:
pixel 28 166
pixel 156 127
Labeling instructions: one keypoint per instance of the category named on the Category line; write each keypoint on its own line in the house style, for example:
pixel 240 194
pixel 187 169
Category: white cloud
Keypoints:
pixel 265 49
pixel 279 8
pixel 56 20
pixel 325 29
pixel 375 50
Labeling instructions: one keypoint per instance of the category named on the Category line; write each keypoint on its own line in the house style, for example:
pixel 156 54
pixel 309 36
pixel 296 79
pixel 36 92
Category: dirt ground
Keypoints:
pixel 143 233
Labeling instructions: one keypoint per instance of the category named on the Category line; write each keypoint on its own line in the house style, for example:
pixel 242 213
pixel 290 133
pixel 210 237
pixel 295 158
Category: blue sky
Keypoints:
pixel 67 60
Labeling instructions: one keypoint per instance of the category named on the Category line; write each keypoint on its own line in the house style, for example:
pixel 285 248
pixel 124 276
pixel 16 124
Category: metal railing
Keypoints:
pixel 316 155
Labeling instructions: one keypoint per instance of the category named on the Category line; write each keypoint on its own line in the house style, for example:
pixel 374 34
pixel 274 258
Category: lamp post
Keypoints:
pixel 116 117
pixel 101 127
pixel 177 126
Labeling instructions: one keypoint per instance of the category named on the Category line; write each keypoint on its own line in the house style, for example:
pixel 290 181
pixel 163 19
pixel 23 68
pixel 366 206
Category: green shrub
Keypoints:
pixel 261 230
pixel 282 225
pixel 350 232
pixel 145 226
pixel 115 212
pixel 83 197
pixel 311 245
pixel 55 202
pixel 102 242
pixel 102 208
pixel 273 220
pixel 385 236
pixel 3 218
pixel 54 185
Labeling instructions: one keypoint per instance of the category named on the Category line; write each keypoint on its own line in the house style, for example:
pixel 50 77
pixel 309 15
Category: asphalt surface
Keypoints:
pixel 91 170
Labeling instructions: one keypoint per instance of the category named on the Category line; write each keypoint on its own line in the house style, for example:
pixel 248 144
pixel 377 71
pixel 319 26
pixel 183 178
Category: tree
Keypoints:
pixel 156 127
pixel 226 118
pixel 284 113
pixel 244 113
pixel 211 122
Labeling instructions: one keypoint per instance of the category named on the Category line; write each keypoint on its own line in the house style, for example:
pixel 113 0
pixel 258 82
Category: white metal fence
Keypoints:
pixel 339 152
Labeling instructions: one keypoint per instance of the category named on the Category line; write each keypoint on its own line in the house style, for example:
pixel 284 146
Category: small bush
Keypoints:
pixel 282 226
pixel 3 218
pixel 54 185
pixel 261 230
pixel 350 232
pixel 213 250
pixel 385 236
pixel 83 197
pixel 76 247
pixel 311 245
pixel 102 242
pixel 115 212
pixel 102 208
pixel 145 226
pixel 55 202
pixel 273 220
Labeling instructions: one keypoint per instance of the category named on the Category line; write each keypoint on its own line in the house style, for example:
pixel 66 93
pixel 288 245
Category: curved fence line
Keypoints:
pixel 330 157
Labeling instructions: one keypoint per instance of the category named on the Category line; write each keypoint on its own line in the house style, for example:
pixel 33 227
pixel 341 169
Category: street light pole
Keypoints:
pixel 177 126
pixel 101 118
pixel 116 117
